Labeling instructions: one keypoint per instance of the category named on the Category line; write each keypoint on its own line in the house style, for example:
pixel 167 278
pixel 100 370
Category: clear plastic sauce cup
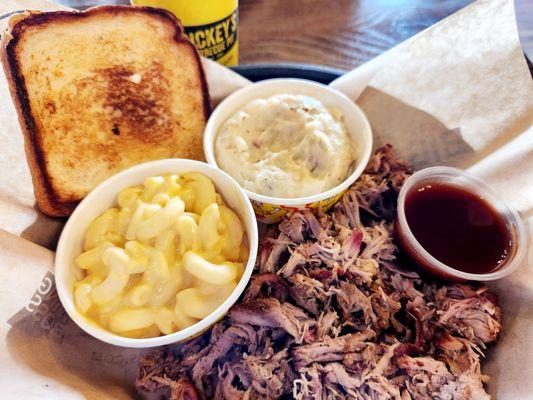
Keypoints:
pixel 471 184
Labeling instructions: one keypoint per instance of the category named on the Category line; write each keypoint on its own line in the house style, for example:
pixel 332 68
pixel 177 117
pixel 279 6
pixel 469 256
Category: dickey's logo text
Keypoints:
pixel 216 39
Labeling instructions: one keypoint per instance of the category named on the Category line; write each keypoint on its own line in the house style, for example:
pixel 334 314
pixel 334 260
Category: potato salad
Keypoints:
pixel 286 146
pixel 167 256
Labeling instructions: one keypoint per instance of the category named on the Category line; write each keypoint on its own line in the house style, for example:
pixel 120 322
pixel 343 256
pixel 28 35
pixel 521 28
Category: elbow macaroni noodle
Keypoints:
pixel 167 256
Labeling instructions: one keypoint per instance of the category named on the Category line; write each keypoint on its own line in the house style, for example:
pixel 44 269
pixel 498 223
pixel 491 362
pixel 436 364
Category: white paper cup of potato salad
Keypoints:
pixel 291 144
pixel 157 253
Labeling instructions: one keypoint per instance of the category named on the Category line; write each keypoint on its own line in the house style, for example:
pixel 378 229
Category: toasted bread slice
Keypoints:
pixel 99 91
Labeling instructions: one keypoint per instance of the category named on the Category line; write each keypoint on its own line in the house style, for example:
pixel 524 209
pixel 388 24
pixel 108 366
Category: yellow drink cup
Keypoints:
pixel 210 24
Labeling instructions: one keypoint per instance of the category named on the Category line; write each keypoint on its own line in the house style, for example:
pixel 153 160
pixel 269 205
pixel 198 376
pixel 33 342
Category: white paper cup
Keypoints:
pixel 272 209
pixel 103 198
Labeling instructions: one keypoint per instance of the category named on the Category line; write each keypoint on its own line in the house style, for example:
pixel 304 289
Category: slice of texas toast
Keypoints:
pixel 99 91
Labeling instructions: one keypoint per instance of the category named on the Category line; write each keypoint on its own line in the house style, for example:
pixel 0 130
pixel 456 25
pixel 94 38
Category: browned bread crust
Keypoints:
pixel 51 200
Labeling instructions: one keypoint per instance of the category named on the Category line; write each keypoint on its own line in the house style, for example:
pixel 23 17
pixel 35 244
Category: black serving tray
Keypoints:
pixel 259 72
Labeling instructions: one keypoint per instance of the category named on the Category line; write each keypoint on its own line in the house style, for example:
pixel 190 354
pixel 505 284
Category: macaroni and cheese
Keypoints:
pixel 167 256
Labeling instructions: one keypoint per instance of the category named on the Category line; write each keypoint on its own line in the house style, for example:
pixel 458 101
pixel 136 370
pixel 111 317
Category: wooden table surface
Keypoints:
pixel 337 33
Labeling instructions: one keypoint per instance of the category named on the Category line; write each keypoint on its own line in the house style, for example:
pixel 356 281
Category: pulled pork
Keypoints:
pixel 330 314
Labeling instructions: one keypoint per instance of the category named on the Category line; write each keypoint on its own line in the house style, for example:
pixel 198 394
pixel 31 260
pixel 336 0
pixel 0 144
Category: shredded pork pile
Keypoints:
pixel 329 314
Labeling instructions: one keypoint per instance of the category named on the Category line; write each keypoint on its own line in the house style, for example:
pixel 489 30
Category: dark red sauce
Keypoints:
pixel 458 228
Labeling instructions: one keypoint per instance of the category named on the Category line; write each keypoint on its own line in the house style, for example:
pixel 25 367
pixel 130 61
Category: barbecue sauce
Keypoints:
pixel 458 228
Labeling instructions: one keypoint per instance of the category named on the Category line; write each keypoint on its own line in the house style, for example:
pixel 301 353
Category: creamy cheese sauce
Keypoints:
pixel 286 146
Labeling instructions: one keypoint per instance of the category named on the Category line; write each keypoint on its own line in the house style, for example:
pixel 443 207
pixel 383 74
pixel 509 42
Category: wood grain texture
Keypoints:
pixel 337 33
pixel 341 33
